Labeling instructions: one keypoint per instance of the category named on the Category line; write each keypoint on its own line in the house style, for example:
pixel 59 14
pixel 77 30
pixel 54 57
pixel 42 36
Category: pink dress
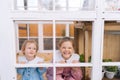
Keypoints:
pixel 68 73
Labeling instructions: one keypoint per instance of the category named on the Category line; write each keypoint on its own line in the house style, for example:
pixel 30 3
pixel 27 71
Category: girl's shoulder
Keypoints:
pixel 38 59
pixel 75 55
pixel 22 59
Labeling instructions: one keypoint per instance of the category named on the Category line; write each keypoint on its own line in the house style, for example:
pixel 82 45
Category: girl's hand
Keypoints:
pixel 62 61
pixel 39 62
pixel 75 61
pixel 22 62
pixel 40 68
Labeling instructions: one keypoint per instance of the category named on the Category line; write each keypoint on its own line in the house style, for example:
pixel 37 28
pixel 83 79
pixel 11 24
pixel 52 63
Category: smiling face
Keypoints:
pixel 30 50
pixel 66 49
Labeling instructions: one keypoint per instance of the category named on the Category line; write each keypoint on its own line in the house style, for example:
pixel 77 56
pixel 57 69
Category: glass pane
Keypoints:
pixel 36 73
pixel 20 4
pixel 36 39
pixel 22 30
pixel 45 5
pixel 47 30
pixel 57 41
pixel 73 73
pixel 60 30
pixel 110 72
pixel 32 4
pixel 111 48
pixel 88 5
pixel 21 40
pixel 48 43
pixel 33 30
pixel 60 5
pixel 75 5
pixel 112 5
pixel 71 30
pixel 83 40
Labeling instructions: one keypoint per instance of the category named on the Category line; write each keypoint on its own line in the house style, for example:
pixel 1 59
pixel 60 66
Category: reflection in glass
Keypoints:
pixel 47 30
pixel 60 29
pixel 73 73
pixel 27 4
pixel 112 5
pixel 31 73
pixel 48 43
pixel 33 30
pixel 60 5
pixel 75 5
pixel 88 5
pixel 45 4
pixel 71 30
pixel 83 40
pixel 111 41
pixel 22 30
pixel 21 42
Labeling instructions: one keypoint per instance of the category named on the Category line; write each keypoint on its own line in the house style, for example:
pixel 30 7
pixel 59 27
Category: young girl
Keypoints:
pixel 29 49
pixel 68 73
pixel 66 51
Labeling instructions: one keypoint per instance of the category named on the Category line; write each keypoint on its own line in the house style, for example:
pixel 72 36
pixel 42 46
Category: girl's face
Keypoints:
pixel 30 50
pixel 66 49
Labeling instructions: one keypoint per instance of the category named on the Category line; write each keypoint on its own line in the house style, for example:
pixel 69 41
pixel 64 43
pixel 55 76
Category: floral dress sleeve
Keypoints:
pixel 77 73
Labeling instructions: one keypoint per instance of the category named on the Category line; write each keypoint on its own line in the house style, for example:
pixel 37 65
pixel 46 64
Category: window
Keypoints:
pixel 60 5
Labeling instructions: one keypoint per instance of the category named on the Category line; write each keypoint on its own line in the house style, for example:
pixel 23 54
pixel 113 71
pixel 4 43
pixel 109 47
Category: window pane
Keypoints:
pixel 36 39
pixel 46 5
pixel 73 73
pixel 111 41
pixel 48 43
pixel 22 30
pixel 75 5
pixel 33 72
pixel 83 40
pixel 21 42
pixel 47 30
pixel 57 40
pixel 20 4
pixel 112 5
pixel 33 30
pixel 88 5
pixel 32 4
pixel 60 5
pixel 110 73
pixel 60 30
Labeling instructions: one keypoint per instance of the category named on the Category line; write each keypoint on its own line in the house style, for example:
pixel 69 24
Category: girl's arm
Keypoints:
pixel 41 70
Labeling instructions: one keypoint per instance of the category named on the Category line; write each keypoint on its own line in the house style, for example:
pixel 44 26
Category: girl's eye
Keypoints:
pixel 34 48
pixel 63 47
pixel 69 48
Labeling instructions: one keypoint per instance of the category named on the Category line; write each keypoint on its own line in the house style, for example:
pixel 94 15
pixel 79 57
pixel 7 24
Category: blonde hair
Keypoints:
pixel 28 41
pixel 65 39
